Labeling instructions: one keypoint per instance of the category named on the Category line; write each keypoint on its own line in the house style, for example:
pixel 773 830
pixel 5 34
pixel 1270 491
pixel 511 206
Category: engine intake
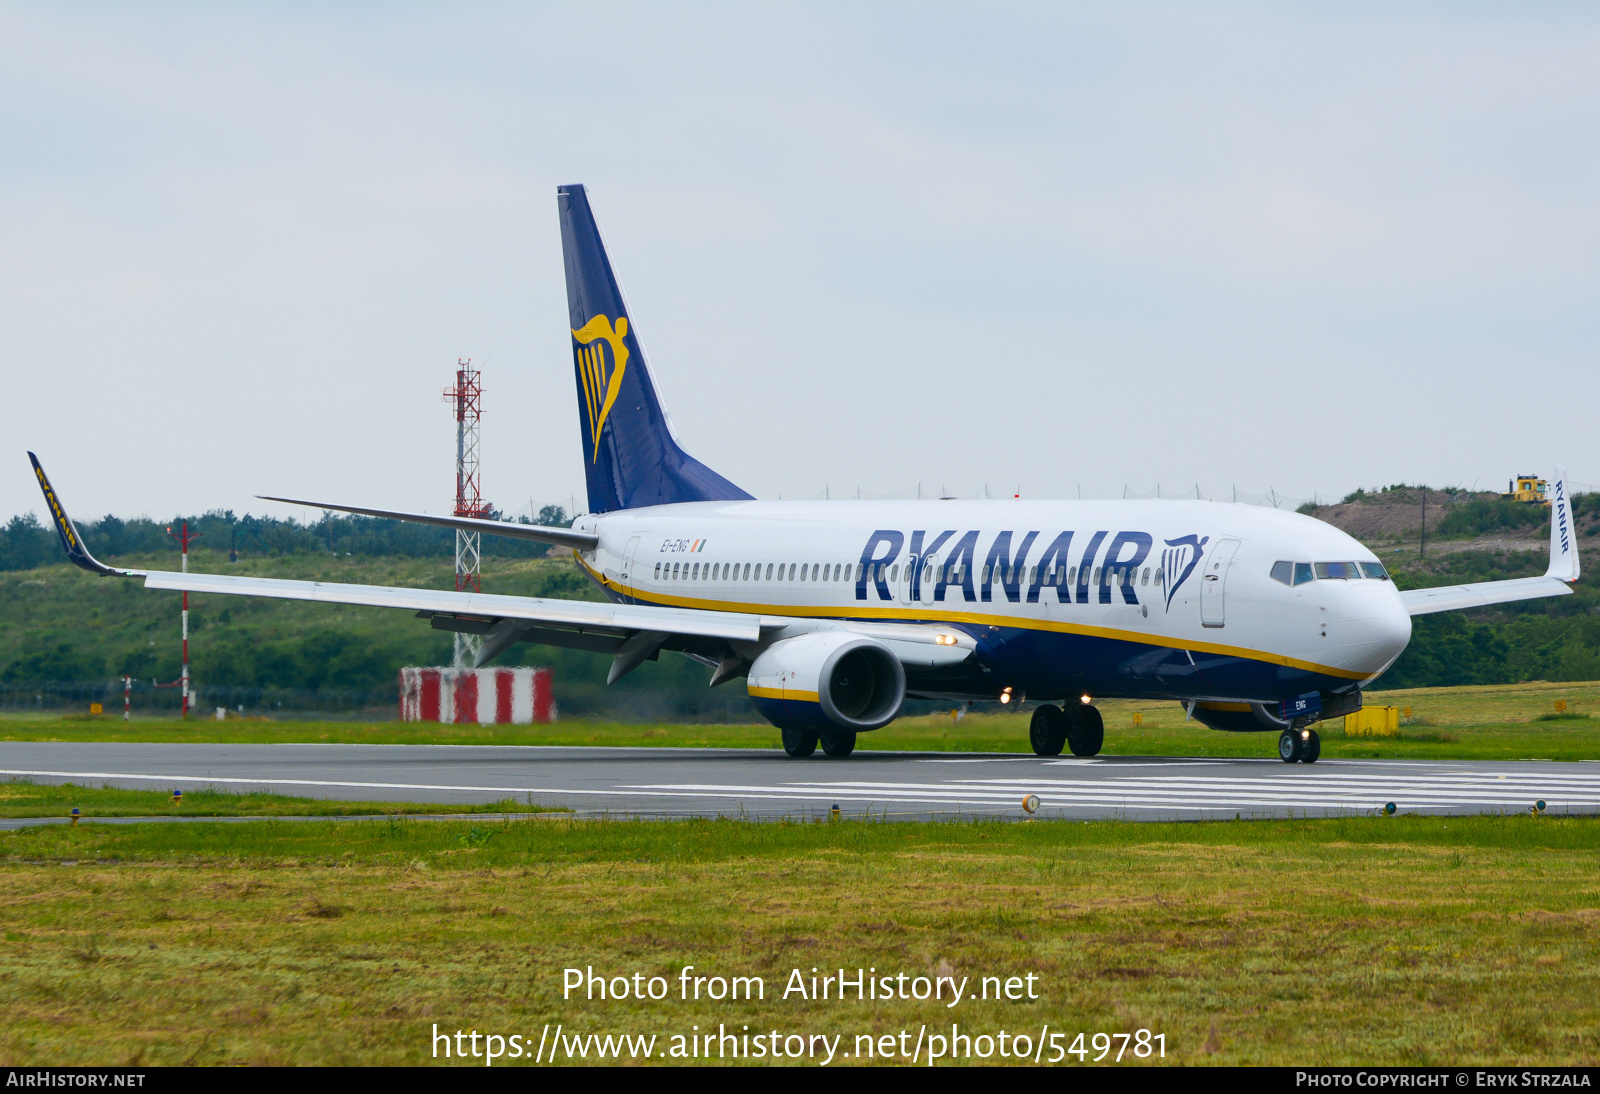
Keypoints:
pixel 828 680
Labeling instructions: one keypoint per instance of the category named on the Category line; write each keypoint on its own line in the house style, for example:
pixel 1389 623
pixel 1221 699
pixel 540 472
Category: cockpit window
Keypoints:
pixel 1375 570
pixel 1284 572
pixel 1337 571
pixel 1302 572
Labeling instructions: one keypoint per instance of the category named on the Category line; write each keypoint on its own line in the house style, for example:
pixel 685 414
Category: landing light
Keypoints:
pixel 1005 696
pixel 1305 735
pixel 1085 700
pixel 945 639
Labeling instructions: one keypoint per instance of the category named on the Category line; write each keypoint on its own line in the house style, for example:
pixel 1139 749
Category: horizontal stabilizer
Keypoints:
pixel 539 533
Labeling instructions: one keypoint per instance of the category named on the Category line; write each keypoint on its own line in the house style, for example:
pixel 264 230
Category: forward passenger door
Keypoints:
pixel 1214 583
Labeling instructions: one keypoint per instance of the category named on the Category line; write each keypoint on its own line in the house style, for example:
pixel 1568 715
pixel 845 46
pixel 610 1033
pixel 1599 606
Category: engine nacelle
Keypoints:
pixel 828 681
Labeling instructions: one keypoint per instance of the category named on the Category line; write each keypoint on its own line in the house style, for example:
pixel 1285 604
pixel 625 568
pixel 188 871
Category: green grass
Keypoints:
pixel 23 798
pixel 1411 940
pixel 1468 723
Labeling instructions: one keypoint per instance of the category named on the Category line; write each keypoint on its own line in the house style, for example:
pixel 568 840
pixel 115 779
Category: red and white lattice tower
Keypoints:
pixel 466 400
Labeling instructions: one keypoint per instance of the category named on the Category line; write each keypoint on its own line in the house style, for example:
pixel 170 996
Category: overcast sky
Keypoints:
pixel 1046 247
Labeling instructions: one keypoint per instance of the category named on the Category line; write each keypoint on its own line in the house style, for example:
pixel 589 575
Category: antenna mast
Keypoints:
pixel 466 400
pixel 184 538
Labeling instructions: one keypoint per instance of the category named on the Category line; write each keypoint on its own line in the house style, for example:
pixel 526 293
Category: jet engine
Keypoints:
pixel 828 681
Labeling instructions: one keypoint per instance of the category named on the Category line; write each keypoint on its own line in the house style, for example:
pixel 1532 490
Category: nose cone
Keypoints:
pixel 1373 626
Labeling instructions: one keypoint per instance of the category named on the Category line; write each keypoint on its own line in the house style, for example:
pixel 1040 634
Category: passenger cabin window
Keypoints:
pixel 1375 570
pixel 769 571
pixel 1284 572
pixel 1146 576
pixel 658 571
pixel 1340 571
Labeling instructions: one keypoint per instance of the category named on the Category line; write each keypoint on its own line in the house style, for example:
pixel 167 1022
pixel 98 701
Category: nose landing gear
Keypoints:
pixel 1299 746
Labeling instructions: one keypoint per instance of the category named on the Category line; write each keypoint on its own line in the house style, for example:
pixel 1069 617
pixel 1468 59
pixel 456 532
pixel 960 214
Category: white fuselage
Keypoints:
pixel 1159 598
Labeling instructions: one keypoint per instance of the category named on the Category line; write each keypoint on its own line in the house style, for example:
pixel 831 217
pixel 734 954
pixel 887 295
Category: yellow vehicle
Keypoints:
pixel 1528 488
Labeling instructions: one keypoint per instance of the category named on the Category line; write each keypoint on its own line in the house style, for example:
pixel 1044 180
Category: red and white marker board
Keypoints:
pixel 485 696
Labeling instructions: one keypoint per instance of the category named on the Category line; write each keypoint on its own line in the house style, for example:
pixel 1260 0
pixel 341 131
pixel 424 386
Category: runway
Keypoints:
pixel 899 785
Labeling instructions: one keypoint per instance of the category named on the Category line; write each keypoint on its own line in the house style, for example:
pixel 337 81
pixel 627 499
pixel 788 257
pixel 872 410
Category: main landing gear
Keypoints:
pixel 1299 746
pixel 801 743
pixel 1083 730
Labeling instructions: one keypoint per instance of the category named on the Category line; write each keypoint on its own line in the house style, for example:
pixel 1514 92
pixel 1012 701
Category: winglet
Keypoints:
pixel 1563 534
pixel 77 553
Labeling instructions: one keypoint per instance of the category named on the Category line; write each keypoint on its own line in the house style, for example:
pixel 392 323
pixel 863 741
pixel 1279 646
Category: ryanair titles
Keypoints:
pixel 1106 565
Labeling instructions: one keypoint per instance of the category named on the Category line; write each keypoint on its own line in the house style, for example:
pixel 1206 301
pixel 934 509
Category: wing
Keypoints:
pixel 504 620
pixel 633 633
pixel 1557 580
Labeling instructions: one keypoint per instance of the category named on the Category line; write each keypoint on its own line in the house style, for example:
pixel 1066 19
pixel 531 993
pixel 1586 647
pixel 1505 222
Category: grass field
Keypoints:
pixel 1484 723
pixel 1359 940
pixel 22 798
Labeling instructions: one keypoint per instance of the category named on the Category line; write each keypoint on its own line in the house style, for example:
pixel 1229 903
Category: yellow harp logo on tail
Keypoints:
pixel 601 371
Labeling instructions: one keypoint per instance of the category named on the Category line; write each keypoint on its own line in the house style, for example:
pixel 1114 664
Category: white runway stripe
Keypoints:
pixel 1088 796
pixel 1295 791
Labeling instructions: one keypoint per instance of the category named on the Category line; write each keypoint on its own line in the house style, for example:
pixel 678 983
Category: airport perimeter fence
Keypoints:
pixel 148 698
pixel 723 707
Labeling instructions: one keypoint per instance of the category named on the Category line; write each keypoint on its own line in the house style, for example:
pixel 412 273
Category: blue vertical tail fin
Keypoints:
pixel 630 456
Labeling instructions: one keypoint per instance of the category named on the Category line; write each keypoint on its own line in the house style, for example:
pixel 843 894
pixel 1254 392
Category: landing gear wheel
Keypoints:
pixel 1086 732
pixel 838 745
pixel 1289 746
pixel 1048 731
pixel 1310 748
pixel 799 743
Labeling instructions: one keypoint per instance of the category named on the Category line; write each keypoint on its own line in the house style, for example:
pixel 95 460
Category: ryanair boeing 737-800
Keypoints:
pixel 834 613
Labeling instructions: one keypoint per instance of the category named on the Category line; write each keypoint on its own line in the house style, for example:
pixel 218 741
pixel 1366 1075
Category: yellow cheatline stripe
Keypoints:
pixel 783 693
pixel 977 619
